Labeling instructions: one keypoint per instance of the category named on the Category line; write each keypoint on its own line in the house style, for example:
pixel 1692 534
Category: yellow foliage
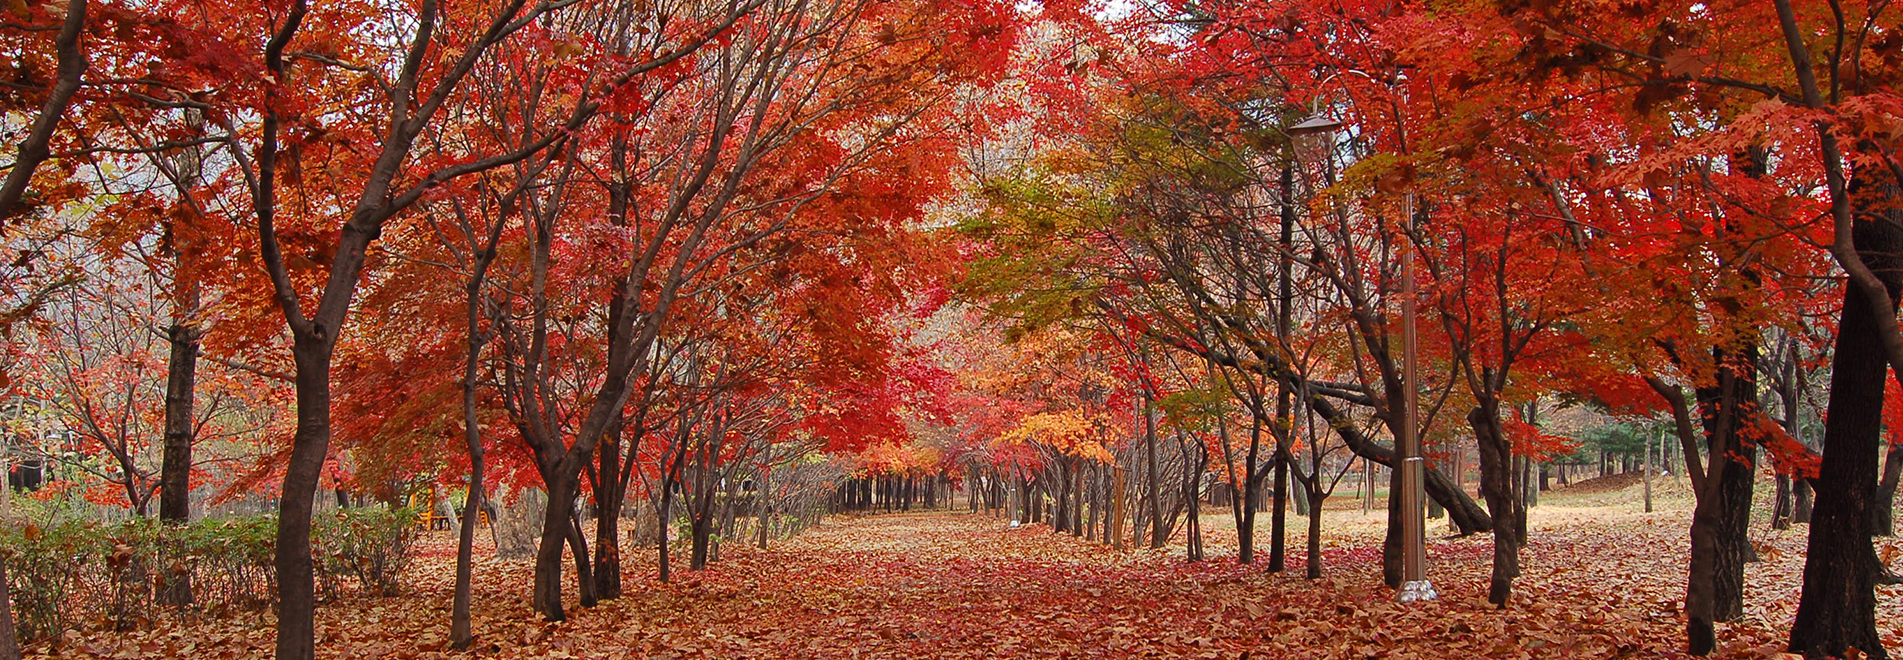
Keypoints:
pixel 1068 431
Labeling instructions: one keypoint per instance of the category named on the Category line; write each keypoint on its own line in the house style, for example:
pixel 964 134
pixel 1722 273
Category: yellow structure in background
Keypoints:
pixel 425 504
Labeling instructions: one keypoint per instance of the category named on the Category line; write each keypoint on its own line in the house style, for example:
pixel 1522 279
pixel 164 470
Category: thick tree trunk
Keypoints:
pixel 297 590
pixel 1722 518
pixel 1837 609
pixel 1497 487
pixel 610 492
pixel 175 470
pixel 547 597
pixel 701 530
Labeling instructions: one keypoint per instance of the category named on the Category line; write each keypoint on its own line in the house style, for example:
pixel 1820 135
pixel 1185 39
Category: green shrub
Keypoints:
pixel 122 575
pixel 370 544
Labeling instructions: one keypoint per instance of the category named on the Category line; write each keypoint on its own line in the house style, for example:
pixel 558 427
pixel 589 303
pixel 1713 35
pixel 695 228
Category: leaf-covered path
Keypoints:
pixel 969 586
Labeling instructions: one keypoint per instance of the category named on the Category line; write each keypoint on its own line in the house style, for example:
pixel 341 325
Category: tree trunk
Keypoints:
pixel 1497 485
pixel 297 589
pixel 1801 501
pixel 765 498
pixel 661 512
pixel 9 638
pixel 1278 519
pixel 1076 498
pixel 1192 502
pixel 1837 609
pixel 1060 523
pixel 1724 503
pixel 701 530
pixel 1251 492
pixel 1302 507
pixel 547 598
pixel 1159 533
pixel 175 487
pixel 1467 514
pixel 1886 492
pixel 175 470
pixel 460 634
pixel 1648 475
pixel 584 574
pixel 1781 509
pixel 1315 500
pixel 1392 547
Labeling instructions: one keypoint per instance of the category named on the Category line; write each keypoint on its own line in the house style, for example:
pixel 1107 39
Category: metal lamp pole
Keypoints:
pixel 1414 583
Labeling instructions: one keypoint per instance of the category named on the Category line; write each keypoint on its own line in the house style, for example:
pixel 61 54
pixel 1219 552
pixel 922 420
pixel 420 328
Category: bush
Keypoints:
pixel 371 544
pixel 122 575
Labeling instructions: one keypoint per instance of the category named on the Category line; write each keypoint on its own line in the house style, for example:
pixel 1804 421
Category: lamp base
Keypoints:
pixel 1417 590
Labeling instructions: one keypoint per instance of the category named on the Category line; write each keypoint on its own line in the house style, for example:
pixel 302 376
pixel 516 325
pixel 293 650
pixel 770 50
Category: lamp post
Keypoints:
pixel 1415 586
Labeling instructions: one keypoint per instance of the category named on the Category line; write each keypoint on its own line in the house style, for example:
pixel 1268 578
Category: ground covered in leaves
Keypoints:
pixel 1602 580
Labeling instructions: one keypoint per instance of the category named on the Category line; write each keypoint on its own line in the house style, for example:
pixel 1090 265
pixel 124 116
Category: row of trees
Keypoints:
pixel 608 249
pixel 1649 210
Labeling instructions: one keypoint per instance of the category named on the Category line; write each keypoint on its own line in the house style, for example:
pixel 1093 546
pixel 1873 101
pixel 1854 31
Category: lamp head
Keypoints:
pixel 1315 125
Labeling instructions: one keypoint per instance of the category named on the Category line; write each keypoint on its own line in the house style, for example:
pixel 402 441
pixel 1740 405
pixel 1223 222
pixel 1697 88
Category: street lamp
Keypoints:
pixel 1317 134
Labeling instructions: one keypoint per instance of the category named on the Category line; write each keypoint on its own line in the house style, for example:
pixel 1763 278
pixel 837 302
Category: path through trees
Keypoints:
pixel 937 584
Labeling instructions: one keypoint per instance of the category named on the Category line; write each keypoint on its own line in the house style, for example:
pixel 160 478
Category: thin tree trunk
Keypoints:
pixel 1648 474
pixel 1886 492
pixel 765 495
pixel 661 512
pixel 9 639
pixel 460 634
pixel 1315 500
pixel 578 548
pixel 1801 501
pixel 1117 507
pixel 1781 510
pixel 1159 533
pixel 1278 519
pixel 1245 520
